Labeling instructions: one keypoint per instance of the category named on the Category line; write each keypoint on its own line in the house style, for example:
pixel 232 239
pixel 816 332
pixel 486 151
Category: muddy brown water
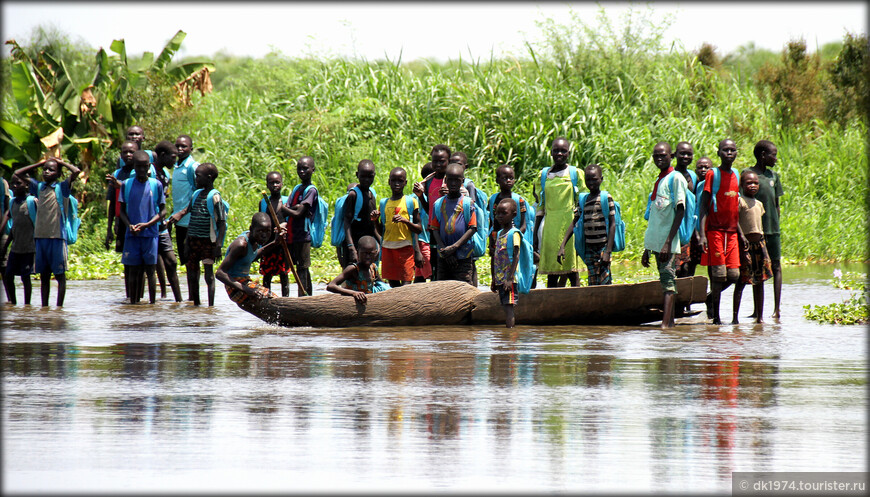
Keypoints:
pixel 104 396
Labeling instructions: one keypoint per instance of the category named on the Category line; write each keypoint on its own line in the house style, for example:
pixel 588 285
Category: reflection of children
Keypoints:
pixel 754 260
pixel 769 191
pixel 22 211
pixel 505 258
pixel 360 278
pixel 400 229
pixel 48 231
pixel 597 240
pixel 234 271
pixel 452 232
pixel 661 238
pixel 272 262
pixel 556 212
pixel 142 206
pixel 719 227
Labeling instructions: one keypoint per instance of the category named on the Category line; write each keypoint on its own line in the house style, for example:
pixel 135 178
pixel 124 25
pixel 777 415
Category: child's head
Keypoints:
pixel 505 212
pixel 274 182
pixel 127 149
pixel 261 228
pixel 398 180
pixel 141 165
pixel 426 170
pixel 662 155
pixel 440 157
pixel 459 158
pixel 727 151
pixel 593 177
pixel 305 168
pixel 504 177
pixel 166 155
pixel 704 164
pixel 365 173
pixel 684 154
pixel 749 183
pixel 136 134
pixel 765 153
pixel 19 185
pixel 560 151
pixel 205 174
pixel 454 176
pixel 184 144
pixel 368 251
pixel 50 171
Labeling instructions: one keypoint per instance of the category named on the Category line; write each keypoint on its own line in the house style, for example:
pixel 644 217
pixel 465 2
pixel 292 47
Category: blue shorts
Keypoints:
pixel 50 254
pixel 19 264
pixel 139 251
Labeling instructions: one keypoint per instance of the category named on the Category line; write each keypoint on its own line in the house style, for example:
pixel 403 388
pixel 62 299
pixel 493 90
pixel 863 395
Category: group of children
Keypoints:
pixel 436 232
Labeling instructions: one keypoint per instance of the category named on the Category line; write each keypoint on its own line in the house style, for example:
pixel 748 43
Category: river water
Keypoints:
pixel 108 397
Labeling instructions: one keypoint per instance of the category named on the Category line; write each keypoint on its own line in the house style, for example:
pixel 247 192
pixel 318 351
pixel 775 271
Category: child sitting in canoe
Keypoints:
pixel 234 271
pixel 360 278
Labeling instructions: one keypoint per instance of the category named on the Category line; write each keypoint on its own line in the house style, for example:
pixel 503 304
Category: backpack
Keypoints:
pixel 337 223
pixel 690 219
pixel 572 173
pixel 478 239
pixel 526 270
pixel 699 189
pixel 210 206
pixel 480 200
pixel 518 220
pixel 152 184
pixel 70 223
pixel 30 201
pixel 409 204
pixel 265 208
pixel 618 236
pixel 317 227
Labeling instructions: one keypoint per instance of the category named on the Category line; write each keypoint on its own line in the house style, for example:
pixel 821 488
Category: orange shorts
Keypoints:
pixel 722 249
pixel 398 264
pixel 426 270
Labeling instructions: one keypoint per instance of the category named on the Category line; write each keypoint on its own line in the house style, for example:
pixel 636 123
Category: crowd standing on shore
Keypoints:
pixel 710 216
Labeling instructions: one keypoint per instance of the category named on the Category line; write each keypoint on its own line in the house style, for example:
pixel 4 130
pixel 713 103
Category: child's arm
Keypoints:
pixel 238 248
pixel 222 230
pixel 702 222
pixel 539 216
pixel 570 232
pixel 74 171
pixel 415 226
pixel 611 235
pixel 124 218
pixel 110 214
pixel 177 216
pixel 522 226
pixel 349 205
pixel 509 277
pixel 26 169
pixel 8 241
pixel 448 251
pixel 156 219
pixel 334 286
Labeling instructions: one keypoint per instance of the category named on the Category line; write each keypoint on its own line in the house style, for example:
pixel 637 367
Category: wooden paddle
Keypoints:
pixel 283 242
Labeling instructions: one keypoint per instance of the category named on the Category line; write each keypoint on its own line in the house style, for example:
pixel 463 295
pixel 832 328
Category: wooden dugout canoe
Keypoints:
pixel 452 302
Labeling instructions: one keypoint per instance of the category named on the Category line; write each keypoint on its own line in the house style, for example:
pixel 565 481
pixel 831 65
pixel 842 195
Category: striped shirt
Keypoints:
pixel 594 224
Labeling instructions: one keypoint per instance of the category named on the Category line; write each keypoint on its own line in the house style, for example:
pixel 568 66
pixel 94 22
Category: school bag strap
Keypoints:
pixel 572 174
pixel 30 202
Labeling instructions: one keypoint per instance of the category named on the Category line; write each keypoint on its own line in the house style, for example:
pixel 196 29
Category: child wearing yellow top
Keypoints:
pixel 399 226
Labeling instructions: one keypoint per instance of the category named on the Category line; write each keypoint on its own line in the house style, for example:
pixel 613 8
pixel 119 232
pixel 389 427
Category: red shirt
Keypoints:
pixel 726 215
pixel 434 194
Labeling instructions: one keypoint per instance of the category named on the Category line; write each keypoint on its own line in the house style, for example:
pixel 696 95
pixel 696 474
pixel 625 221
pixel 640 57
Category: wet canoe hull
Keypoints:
pixel 451 302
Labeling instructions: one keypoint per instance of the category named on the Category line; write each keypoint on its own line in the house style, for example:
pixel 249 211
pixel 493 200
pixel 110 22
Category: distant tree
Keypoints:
pixel 848 95
pixel 707 55
pixel 795 85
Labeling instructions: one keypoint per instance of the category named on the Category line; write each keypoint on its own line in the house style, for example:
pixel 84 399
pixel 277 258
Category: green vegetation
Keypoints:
pixel 854 310
pixel 612 94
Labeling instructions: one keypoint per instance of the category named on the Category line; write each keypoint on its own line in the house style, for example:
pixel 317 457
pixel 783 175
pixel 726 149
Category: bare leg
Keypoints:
pixel 193 281
pixel 395 283
pixel 285 284
pixel 61 288
pixel 758 298
pixel 9 284
pixel 777 287
pixel 267 282
pixel 208 272
pixel 127 282
pixel 716 292
pixel 552 281
pixel 574 278
pixel 170 264
pixel 161 277
pixel 668 310
pixel 45 286
pixel 28 288
pixel 136 273
pixel 738 296
pixel 305 278
pixel 509 316
pixel 152 286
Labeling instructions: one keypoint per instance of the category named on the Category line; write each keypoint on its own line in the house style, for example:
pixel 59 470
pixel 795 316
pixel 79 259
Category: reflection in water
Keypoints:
pixel 633 409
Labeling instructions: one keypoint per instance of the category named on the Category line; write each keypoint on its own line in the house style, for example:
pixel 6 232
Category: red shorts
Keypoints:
pixel 426 270
pixel 722 249
pixel 398 264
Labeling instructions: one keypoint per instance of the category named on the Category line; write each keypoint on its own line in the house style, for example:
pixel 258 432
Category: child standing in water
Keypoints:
pixel 505 258
pixel 754 260
pixel 272 262
pixel 558 198
pixel 22 212
pixel 769 191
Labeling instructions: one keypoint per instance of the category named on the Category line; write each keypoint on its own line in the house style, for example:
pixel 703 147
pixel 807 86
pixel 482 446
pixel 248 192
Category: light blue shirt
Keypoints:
pixel 662 213
pixel 183 185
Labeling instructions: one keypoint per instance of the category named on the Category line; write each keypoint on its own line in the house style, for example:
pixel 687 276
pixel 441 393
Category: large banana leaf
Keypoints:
pixel 168 51
pixel 15 131
pixel 180 73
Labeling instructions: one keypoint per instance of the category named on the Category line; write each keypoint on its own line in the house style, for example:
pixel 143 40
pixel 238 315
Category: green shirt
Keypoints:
pixel 662 213
pixel 769 190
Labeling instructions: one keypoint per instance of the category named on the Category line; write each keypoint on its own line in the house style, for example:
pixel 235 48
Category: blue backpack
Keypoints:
pixel 152 184
pixel 572 173
pixel 337 224
pixel 317 227
pixel 699 189
pixel 618 236
pixel 210 206
pixel 480 200
pixel 265 208
pixel 69 216
pixel 478 239
pixel 526 270
pixel 518 220
pixel 690 219
pixel 409 204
